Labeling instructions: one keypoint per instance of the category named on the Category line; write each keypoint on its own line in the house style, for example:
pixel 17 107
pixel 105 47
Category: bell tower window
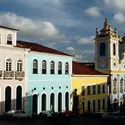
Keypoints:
pixel 102 49
pixel 114 49
pixel 9 39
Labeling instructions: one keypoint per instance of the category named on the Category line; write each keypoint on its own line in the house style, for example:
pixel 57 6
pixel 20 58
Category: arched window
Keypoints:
pixel 34 104
pixel 67 100
pixel 19 98
pixel 102 49
pixel 59 102
pixel 7 98
pixel 52 100
pixel 121 85
pixel 59 68
pixel 52 70
pixel 35 66
pixel 67 68
pixel 115 85
pixel 114 49
pixel 8 64
pixel 44 67
pixel 43 102
pixel 9 39
pixel 19 65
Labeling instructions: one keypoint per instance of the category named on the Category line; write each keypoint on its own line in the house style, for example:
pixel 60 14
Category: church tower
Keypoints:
pixel 122 47
pixel 106 49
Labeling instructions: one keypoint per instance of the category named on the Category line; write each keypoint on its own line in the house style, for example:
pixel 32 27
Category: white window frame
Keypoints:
pixel 8 64
pixel 19 65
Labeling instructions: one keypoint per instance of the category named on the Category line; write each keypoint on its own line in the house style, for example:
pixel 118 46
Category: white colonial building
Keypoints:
pixel 12 71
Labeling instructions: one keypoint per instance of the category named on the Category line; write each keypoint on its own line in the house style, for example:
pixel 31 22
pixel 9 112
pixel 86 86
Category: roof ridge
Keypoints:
pixel 40 48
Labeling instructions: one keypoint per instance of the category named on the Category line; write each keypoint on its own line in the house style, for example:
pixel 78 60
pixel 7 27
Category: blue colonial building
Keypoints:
pixel 48 78
pixel 110 59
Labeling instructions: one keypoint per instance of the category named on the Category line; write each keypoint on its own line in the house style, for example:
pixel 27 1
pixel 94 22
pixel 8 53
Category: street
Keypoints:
pixel 81 120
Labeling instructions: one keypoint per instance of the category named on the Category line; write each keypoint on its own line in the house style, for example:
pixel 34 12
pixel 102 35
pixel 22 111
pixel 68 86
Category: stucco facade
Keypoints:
pixel 12 71
pixel 39 83
pixel 89 88
pixel 97 95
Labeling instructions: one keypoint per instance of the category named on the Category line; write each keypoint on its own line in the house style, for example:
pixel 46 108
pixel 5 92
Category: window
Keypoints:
pixel 35 66
pixel 114 49
pixel 83 90
pixel 59 68
pixel 102 49
pixel 89 109
pixel 19 65
pixel 44 67
pixel 103 104
pixel 98 104
pixel 114 85
pixel 94 89
pixel 8 65
pixel 52 67
pixel 103 88
pixel 94 106
pixel 9 39
pixel 83 106
pixel 98 89
pixel 88 90
pixel 66 68
pixel 121 85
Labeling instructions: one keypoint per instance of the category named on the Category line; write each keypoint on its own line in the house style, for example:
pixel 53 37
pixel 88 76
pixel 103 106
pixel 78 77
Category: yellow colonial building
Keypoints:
pixel 89 89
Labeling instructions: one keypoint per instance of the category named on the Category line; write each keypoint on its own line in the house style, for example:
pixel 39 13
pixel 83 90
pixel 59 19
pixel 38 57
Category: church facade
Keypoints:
pixel 110 59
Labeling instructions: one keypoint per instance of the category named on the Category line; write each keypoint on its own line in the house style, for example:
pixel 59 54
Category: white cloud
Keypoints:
pixel 119 18
pixel 70 48
pixel 93 11
pixel 80 58
pixel 42 30
pixel 53 10
pixel 86 40
pixel 115 4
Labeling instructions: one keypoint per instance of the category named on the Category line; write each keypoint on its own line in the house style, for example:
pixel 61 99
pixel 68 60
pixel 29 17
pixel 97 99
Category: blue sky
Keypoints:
pixel 65 25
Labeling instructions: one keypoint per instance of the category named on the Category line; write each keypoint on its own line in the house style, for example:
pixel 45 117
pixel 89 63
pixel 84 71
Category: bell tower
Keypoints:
pixel 106 49
pixel 122 47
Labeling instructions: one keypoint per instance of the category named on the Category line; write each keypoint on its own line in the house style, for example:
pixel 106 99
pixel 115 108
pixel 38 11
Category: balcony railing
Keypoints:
pixel 0 73
pixel 8 74
pixel 19 74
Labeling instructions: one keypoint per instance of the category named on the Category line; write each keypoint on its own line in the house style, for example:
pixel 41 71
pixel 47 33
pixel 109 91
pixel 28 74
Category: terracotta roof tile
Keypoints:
pixel 39 48
pixel 79 69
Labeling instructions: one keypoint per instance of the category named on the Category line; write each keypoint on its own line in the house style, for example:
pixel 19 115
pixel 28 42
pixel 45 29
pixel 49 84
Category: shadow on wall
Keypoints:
pixel 95 98
pixel 29 103
pixel 13 104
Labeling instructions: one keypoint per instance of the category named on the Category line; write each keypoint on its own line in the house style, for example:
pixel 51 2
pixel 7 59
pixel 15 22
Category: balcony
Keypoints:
pixel 19 75
pixel 8 74
pixel 0 73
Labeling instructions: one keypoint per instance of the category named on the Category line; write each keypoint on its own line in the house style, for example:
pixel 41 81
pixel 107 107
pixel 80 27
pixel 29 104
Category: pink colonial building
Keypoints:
pixel 13 69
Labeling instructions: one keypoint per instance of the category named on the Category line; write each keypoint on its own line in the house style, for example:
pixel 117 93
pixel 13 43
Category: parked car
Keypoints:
pixel 16 114
pixel 67 113
pixel 48 113
pixel 113 115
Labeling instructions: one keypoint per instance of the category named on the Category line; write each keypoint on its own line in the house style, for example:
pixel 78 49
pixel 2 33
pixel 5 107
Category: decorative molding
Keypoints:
pixel 0 73
pixel 114 91
pixel 19 74
pixel 8 74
